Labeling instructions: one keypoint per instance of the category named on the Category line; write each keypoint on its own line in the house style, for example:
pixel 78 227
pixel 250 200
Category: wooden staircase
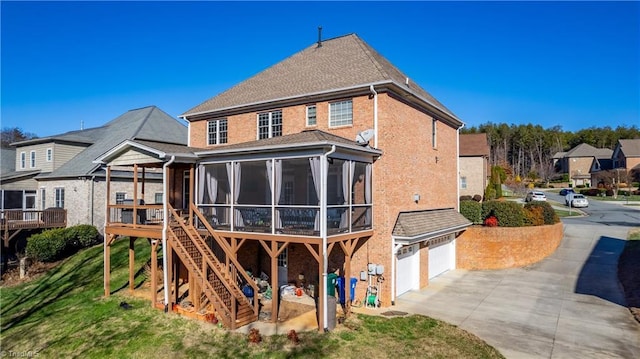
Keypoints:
pixel 221 282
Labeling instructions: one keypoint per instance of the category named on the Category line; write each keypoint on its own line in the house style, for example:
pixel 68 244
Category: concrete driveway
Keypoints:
pixel 570 305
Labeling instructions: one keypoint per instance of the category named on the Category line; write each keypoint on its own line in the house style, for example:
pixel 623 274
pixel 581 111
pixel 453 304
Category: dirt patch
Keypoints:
pixel 628 269
pixel 12 276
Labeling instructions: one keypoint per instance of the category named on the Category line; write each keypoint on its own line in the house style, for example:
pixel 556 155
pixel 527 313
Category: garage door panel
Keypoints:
pixel 441 257
pixel 408 269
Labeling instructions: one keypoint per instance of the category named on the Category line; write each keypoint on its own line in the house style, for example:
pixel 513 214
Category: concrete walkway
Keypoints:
pixel 570 305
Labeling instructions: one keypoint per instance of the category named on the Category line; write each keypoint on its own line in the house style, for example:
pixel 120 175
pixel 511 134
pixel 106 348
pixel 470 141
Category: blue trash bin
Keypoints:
pixel 340 285
pixel 352 289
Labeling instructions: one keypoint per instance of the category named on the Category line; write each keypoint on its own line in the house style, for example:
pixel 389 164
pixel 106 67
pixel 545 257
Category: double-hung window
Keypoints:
pixel 463 182
pixel 59 197
pixel 434 133
pixel 269 124
pixel 341 113
pixel 120 197
pixel 32 156
pixel 49 154
pixel 23 160
pixel 217 132
pixel 311 115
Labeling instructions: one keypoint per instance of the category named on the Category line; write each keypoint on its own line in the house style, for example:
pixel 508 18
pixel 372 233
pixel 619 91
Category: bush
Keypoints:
pixel 54 244
pixel 591 192
pixel 83 235
pixel 509 214
pixel 465 198
pixel 533 215
pixel 491 221
pixel 47 246
pixel 489 193
pixel 477 198
pixel 472 211
pixel 580 186
pixel 549 215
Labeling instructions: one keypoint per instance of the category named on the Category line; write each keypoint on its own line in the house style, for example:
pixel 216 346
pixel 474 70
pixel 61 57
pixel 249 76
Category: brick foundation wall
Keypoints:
pixel 506 247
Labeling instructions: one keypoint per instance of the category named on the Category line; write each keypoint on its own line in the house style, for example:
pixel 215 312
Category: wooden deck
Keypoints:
pixel 12 221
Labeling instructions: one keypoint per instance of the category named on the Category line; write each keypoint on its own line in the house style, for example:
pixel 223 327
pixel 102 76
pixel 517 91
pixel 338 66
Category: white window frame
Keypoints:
pixel 49 154
pixel 32 159
pixel 338 114
pixel 221 135
pixel 463 182
pixel 59 198
pixel 43 198
pixel 120 197
pixel 312 119
pixel 156 196
pixel 23 160
pixel 271 125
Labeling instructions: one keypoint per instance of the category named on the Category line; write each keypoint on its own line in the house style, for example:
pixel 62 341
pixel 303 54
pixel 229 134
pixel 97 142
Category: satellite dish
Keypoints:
pixel 363 137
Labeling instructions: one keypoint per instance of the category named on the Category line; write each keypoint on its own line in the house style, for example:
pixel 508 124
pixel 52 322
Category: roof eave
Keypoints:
pixel 429 235
pixel 276 148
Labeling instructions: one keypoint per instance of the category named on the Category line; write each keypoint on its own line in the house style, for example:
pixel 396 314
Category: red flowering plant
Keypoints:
pixel 491 221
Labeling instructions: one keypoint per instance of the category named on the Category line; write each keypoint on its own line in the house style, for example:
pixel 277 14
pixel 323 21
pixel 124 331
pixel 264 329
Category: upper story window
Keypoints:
pixel 23 160
pixel 217 132
pixel 463 182
pixel 32 162
pixel 341 113
pixel 269 124
pixel 311 115
pixel 434 132
pixel 120 197
pixel 49 154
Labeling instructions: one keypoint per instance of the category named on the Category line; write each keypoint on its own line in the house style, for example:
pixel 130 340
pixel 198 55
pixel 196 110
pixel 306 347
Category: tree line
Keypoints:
pixel 527 150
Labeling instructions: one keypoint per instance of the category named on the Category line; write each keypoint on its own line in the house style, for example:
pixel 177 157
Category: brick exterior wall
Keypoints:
pixel 410 165
pixel 505 247
pixel 580 166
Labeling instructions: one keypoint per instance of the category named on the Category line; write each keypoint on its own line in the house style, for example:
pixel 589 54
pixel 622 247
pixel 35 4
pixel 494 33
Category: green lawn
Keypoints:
pixel 63 314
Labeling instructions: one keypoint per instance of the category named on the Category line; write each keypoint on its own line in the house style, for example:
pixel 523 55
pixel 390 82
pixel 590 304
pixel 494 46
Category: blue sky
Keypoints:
pixel 573 64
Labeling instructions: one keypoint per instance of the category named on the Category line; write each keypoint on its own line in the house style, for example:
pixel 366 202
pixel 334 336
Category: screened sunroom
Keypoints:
pixel 298 190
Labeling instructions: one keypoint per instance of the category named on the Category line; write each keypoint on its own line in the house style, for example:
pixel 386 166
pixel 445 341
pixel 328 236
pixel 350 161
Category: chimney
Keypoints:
pixel 319 36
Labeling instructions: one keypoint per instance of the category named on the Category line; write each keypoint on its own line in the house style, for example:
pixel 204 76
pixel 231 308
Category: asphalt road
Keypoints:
pixel 603 212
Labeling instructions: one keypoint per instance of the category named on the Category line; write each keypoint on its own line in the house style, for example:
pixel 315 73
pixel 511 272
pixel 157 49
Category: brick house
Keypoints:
pixel 580 162
pixel 626 155
pixel 474 164
pixel 331 161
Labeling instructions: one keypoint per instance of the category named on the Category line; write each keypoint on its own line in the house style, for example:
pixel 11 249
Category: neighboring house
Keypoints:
pixel 474 164
pixel 626 155
pixel 58 171
pixel 581 161
pixel 329 161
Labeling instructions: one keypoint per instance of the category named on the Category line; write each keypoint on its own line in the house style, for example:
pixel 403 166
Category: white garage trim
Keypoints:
pixel 408 273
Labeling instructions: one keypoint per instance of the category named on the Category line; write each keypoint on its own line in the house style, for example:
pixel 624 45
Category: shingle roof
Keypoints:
pixel 304 138
pixel 474 144
pixel 420 225
pixel 586 150
pixel 630 148
pixel 148 123
pixel 7 160
pixel 340 63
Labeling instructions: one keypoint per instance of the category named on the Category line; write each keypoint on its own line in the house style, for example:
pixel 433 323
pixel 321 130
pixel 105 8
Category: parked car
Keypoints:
pixel 566 191
pixel 568 198
pixel 579 201
pixel 535 196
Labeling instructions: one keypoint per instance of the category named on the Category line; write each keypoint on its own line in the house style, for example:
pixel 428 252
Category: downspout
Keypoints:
pixel 375 116
pixel 324 171
pixel 165 227
pixel 93 178
pixel 394 250
pixel 458 165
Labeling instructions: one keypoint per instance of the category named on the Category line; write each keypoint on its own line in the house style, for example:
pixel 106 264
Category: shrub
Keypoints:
pixel 489 193
pixel 591 192
pixel 509 214
pixel 533 216
pixel 83 235
pixel 609 193
pixel 580 186
pixel 472 211
pixel 548 214
pixel 465 198
pixel 47 246
pixel 477 198
pixel 491 221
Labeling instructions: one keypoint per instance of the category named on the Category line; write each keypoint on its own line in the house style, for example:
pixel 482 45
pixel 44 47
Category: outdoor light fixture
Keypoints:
pixel 416 198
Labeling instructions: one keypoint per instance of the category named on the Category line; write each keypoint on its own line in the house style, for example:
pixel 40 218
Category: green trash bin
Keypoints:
pixel 331 284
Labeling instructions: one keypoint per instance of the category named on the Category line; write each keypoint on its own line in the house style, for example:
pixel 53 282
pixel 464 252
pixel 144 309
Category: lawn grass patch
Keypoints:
pixel 64 314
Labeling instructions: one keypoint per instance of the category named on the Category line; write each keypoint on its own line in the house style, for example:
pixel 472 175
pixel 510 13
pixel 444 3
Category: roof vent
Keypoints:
pixel 319 36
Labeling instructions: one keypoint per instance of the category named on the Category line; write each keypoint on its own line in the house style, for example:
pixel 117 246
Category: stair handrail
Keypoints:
pixel 206 282
pixel 232 258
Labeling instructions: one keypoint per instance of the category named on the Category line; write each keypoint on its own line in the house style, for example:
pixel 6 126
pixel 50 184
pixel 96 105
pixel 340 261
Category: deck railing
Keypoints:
pixel 144 215
pixel 12 219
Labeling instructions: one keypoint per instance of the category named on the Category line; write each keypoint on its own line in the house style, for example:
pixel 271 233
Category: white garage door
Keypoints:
pixel 442 254
pixel 408 273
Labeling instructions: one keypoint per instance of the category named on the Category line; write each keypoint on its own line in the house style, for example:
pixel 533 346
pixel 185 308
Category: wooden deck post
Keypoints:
pixel 154 272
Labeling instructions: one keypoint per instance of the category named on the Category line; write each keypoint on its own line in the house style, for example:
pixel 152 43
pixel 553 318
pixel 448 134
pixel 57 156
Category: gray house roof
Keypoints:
pixel 586 150
pixel 630 147
pixel 340 64
pixel 415 226
pixel 7 160
pixel 148 123
pixel 307 138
